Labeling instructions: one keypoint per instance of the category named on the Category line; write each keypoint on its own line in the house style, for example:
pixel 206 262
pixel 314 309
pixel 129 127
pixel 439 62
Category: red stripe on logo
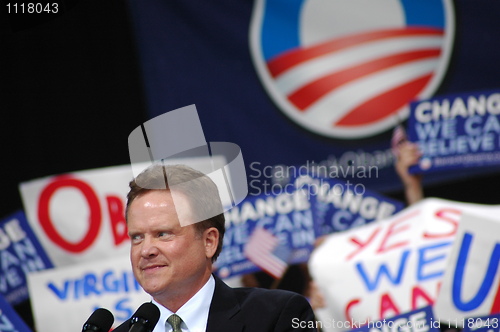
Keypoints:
pixel 287 60
pixel 310 93
pixel 385 104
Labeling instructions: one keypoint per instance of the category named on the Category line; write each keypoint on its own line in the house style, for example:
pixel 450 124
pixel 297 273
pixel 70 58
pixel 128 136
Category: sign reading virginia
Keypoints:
pixel 348 69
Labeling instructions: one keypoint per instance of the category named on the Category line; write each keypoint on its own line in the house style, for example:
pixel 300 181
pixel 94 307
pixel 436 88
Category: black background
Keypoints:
pixel 71 94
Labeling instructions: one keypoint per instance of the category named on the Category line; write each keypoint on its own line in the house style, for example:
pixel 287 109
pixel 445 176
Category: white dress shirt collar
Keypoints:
pixel 194 313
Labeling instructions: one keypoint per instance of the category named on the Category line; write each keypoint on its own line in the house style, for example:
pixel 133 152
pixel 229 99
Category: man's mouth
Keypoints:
pixel 151 268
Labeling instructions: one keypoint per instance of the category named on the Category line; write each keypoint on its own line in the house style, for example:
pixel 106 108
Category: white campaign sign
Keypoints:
pixel 63 298
pixel 470 285
pixel 79 216
pixel 388 267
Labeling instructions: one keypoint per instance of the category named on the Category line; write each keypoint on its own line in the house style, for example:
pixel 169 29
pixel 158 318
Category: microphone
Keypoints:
pixel 145 318
pixel 100 321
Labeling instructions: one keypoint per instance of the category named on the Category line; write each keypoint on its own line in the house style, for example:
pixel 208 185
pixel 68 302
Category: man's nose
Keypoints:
pixel 149 248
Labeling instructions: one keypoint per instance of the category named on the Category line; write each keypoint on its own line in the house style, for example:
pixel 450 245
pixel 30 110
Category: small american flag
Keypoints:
pixel 260 250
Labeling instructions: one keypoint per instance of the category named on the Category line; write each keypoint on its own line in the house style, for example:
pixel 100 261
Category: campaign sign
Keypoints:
pixel 340 205
pixel 390 266
pixel 297 213
pixel 286 216
pixel 490 323
pixel 63 298
pixel 10 320
pixel 20 253
pixel 456 131
pixel 420 320
pixel 471 285
pixel 80 216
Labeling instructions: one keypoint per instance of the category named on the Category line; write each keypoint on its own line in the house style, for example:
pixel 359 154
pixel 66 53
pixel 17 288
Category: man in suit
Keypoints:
pixel 176 226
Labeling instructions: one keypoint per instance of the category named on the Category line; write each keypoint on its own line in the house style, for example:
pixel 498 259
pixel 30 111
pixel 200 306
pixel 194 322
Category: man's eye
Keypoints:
pixel 164 234
pixel 135 238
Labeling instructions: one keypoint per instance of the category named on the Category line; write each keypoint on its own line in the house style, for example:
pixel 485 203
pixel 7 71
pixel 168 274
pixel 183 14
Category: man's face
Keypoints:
pixel 167 259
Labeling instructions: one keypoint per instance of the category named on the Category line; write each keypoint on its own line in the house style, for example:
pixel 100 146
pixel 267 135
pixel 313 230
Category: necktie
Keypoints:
pixel 175 321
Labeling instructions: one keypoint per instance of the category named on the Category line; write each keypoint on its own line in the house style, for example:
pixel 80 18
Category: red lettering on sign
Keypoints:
pixel 348 309
pixel 387 304
pixel 417 293
pixel 94 217
pixel 495 307
pixel 117 216
pixel 392 230
pixel 361 245
pixel 442 214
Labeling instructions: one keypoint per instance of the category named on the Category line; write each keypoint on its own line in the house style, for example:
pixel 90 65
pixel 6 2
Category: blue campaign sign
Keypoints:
pixel 490 323
pixel 296 213
pixel 10 320
pixel 456 131
pixel 287 216
pixel 414 321
pixel 339 205
pixel 20 253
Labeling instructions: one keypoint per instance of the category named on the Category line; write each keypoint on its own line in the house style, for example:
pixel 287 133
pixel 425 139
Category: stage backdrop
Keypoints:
pixel 308 81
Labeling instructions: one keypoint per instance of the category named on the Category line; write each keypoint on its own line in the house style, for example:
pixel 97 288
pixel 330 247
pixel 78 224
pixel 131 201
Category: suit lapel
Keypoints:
pixel 223 308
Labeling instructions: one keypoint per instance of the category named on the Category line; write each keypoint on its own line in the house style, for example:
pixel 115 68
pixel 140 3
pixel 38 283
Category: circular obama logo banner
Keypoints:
pixel 349 69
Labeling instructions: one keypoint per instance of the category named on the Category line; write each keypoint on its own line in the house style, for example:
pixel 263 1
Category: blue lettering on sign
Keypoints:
pixel 342 220
pixel 111 284
pixel 423 261
pixel 25 257
pixel 122 310
pixel 428 130
pixel 92 284
pixel 7 260
pixel 383 269
pixel 10 278
pixel 488 279
pixel 236 234
pixel 60 293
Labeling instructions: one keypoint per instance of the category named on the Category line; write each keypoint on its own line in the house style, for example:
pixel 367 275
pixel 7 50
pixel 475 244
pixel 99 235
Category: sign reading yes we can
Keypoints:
pixel 395 265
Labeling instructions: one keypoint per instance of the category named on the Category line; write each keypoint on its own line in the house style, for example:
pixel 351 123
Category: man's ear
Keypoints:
pixel 211 238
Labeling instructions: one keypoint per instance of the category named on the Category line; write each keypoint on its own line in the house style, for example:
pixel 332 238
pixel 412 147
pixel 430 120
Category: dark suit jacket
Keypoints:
pixel 255 310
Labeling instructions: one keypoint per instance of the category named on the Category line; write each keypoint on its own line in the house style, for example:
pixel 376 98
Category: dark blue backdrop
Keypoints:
pixel 195 52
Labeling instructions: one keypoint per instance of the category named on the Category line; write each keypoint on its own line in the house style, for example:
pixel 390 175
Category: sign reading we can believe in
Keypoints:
pixel 456 131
